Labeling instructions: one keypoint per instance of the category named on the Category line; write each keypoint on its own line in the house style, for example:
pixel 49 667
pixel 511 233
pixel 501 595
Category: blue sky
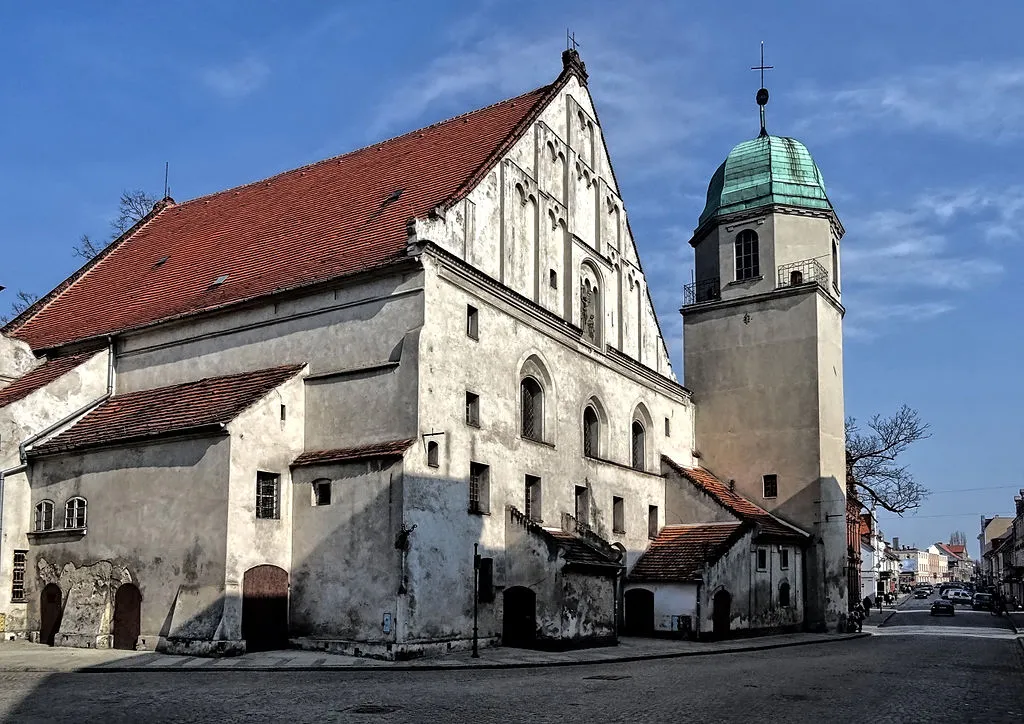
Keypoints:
pixel 914 112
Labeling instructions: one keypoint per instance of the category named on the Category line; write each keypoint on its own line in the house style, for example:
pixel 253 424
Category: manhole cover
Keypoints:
pixel 608 677
pixel 373 709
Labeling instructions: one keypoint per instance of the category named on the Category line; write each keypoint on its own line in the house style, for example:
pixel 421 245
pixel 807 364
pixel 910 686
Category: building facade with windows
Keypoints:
pixel 361 404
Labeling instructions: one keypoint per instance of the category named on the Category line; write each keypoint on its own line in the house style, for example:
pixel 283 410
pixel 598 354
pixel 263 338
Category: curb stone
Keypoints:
pixel 101 669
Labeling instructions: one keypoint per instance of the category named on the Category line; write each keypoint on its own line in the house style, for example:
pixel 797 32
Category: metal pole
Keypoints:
pixel 476 596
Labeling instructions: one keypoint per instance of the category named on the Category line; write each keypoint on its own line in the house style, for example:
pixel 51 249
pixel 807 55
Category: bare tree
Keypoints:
pixel 871 459
pixel 22 301
pixel 86 248
pixel 958 538
pixel 131 208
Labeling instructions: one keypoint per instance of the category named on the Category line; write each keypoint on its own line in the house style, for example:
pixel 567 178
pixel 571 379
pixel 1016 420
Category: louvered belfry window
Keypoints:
pixel 748 265
pixel 532 408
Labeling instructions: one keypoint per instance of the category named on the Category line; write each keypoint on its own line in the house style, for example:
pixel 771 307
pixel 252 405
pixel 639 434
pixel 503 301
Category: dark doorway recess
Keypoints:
pixel 51 610
pixel 265 608
pixel 639 612
pixel 721 613
pixel 519 620
pixel 127 616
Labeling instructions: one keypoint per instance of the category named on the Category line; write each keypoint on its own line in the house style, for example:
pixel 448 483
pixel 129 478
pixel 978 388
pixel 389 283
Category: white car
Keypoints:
pixel 958 596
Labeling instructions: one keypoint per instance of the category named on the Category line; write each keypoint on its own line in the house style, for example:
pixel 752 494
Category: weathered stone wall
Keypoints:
pixel 16 359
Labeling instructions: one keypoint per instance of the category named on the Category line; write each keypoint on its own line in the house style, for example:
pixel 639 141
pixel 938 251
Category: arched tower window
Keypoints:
pixel 591 433
pixel 835 265
pixel 639 446
pixel 532 395
pixel 44 516
pixel 74 513
pixel 748 265
pixel 433 454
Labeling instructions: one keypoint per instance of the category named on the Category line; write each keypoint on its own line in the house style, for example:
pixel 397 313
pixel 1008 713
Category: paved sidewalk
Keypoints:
pixel 24 656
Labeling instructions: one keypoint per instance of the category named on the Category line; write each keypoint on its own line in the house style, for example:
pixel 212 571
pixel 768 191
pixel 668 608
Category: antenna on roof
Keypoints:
pixel 762 94
pixel 167 171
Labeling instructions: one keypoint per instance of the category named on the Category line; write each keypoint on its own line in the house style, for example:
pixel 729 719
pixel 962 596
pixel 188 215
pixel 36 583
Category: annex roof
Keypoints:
pixel 679 551
pixel 188 407
pixel 578 552
pixel 39 377
pixel 391 448
pixel 734 502
pixel 330 219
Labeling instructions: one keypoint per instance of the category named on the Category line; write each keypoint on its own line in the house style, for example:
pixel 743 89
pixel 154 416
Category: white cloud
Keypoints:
pixel 236 80
pixel 978 101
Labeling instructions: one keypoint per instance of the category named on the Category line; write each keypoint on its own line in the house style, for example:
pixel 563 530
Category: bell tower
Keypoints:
pixel 763 350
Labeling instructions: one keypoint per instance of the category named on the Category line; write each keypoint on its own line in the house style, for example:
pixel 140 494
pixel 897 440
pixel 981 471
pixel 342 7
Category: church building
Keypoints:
pixel 373 404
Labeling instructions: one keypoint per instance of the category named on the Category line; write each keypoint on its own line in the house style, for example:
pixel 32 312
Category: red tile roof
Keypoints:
pixel 139 416
pixel 956 549
pixel 734 502
pixel 392 448
pixel 41 376
pixel 298 228
pixel 679 551
pixel 578 551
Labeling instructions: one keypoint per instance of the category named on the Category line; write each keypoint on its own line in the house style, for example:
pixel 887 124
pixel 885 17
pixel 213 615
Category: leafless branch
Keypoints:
pixel 22 301
pixel 871 456
pixel 130 209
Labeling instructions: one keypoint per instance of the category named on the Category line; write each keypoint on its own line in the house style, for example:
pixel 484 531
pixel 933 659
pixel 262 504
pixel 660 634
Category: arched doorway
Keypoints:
pixel 51 611
pixel 265 608
pixel 127 616
pixel 639 606
pixel 519 620
pixel 721 613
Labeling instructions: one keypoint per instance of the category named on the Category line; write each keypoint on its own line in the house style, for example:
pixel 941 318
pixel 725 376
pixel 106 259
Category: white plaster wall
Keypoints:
pixel 16 359
pixel 670 599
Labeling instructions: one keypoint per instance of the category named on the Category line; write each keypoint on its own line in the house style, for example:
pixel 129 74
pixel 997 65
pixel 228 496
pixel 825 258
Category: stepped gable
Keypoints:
pixel 188 407
pixel 735 503
pixel 330 219
pixel 41 376
pixel 680 551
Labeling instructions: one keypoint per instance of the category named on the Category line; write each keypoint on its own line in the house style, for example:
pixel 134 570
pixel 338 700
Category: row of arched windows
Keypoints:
pixel 74 515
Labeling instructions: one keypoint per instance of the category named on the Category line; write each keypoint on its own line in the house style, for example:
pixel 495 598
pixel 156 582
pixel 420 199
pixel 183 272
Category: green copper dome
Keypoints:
pixel 766 170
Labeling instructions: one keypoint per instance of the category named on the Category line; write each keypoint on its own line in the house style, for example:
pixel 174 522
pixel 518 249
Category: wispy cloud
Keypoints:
pixel 236 80
pixel 979 101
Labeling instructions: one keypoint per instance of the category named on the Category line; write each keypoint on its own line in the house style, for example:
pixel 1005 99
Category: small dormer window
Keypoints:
pixel 748 264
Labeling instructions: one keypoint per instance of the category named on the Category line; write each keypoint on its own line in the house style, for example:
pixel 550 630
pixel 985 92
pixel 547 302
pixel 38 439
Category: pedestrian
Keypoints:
pixel 866 603
pixel 879 597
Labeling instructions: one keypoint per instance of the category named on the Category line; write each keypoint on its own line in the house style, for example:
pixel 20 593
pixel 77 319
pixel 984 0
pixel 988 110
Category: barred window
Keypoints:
pixel 18 577
pixel 747 258
pixel 591 433
pixel 639 446
pixel 74 513
pixel 479 488
pixel 532 408
pixel 268 495
pixel 771 486
pixel 44 516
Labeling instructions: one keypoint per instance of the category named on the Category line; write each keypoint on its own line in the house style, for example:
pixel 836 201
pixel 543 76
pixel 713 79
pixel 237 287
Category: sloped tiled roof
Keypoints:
pixel 392 448
pixel 41 376
pixel 957 549
pixel 138 416
pixel 734 502
pixel 679 551
pixel 329 219
pixel 579 552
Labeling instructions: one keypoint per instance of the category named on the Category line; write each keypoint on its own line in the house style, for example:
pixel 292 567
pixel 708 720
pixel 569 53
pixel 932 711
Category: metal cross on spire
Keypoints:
pixel 570 41
pixel 762 94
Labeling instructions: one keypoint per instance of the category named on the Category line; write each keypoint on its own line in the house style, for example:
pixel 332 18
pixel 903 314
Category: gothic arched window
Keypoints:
pixel 532 395
pixel 44 516
pixel 639 446
pixel 748 265
pixel 591 433
pixel 74 513
pixel 589 311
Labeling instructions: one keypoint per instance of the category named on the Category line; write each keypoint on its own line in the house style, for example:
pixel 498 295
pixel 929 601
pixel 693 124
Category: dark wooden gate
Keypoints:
pixel 265 608
pixel 519 618
pixel 721 613
pixel 51 610
pixel 127 616
pixel 639 612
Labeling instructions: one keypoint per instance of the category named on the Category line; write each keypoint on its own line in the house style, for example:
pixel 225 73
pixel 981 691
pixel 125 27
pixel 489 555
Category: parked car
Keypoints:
pixel 959 596
pixel 942 606
pixel 982 602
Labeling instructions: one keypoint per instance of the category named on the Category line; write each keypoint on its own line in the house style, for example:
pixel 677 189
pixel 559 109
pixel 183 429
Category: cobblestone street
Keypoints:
pixel 893 678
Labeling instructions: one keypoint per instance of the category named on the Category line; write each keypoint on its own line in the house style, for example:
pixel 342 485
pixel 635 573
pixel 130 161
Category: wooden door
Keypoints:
pixel 265 608
pixel 127 616
pixel 519 617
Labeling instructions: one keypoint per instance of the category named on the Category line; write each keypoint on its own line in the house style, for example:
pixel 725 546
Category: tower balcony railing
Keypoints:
pixel 808 271
pixel 706 290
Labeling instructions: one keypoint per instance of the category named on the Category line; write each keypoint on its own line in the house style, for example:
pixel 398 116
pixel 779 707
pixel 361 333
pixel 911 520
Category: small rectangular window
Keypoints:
pixel 771 486
pixel 762 559
pixel 652 521
pixel 18 577
pixel 668 428
pixel 433 454
pixel 472 322
pixel 479 488
pixel 618 515
pixel 284 412
pixel 321 492
pixel 532 498
pixel 472 409
pixel 553 278
pixel 581 506
pixel 784 558
pixel 268 496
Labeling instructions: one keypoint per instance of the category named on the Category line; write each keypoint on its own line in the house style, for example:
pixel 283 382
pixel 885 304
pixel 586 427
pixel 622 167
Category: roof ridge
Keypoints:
pixel 361 149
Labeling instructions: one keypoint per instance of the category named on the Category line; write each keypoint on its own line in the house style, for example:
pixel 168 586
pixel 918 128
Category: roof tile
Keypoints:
pixel 679 551
pixel 41 376
pixel 392 448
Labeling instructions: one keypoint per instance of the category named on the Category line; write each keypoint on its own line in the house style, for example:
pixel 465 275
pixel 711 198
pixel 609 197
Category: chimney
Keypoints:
pixel 896 543
pixel 732 486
